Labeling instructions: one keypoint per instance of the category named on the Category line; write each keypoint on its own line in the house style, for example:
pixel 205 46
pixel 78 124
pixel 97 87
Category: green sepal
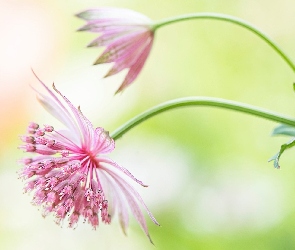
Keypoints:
pixel 277 156
pixel 284 130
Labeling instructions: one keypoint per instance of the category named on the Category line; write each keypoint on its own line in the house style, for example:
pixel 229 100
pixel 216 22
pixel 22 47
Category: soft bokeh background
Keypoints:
pixel 211 186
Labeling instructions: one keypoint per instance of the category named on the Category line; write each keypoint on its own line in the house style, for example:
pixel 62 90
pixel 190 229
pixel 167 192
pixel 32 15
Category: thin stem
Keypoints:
pixel 228 18
pixel 201 101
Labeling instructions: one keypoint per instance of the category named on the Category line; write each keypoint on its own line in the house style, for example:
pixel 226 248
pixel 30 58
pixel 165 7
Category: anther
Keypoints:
pixel 28 139
pixel 40 132
pixel 30 148
pixel 48 128
pixel 31 131
pixel 26 161
pixel 50 143
pixel 41 140
pixel 65 153
pixel 33 125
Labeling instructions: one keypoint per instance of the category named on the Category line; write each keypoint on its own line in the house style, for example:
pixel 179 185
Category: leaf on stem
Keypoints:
pixel 284 130
pixel 277 156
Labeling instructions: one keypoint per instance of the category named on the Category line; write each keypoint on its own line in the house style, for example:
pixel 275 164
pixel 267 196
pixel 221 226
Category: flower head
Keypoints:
pixel 128 38
pixel 69 174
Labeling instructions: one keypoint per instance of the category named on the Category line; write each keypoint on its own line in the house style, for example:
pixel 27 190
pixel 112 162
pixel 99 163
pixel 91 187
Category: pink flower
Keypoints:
pixel 128 38
pixel 69 174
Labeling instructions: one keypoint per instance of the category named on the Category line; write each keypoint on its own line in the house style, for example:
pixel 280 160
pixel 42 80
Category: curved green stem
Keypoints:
pixel 201 101
pixel 228 18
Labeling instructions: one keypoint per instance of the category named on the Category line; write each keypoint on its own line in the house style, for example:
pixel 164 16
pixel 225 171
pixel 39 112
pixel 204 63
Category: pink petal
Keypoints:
pixel 110 13
pixel 84 124
pixel 130 55
pixel 56 108
pixel 123 170
pixel 103 26
pixel 132 197
pixel 102 142
pixel 136 67
pixel 118 202
pixel 110 35
pixel 119 47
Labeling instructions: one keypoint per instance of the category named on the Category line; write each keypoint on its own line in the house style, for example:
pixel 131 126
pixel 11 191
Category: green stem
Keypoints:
pixel 201 101
pixel 228 18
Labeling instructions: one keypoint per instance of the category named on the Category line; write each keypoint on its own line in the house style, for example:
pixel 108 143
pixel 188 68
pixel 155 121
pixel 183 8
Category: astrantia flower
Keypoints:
pixel 127 35
pixel 68 174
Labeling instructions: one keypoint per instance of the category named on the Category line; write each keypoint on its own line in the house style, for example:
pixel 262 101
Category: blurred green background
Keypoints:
pixel 211 186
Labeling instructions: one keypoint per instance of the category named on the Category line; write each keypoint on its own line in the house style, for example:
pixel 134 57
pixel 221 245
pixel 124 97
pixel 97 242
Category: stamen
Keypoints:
pixel 33 125
pixel 39 197
pixel 29 186
pixel 71 167
pixel 41 140
pixel 26 161
pixel 30 148
pixel 31 130
pixel 69 203
pixel 65 153
pixel 74 219
pixel 67 190
pixel 49 164
pixel 40 182
pixel 51 182
pixel 48 128
pixel 94 220
pixel 60 213
pixel 88 194
pixel 40 132
pixel 50 143
pixel 28 139
pixel 51 197
pixel 55 145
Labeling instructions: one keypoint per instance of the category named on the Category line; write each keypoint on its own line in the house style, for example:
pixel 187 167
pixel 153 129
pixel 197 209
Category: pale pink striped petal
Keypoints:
pixel 120 47
pixel 108 37
pixel 123 170
pixel 133 198
pixel 66 137
pixel 112 13
pixel 111 35
pixel 56 108
pixel 136 67
pixel 102 27
pixel 132 191
pixel 130 56
pixel 118 202
pixel 103 143
pixel 84 124
pixel 128 36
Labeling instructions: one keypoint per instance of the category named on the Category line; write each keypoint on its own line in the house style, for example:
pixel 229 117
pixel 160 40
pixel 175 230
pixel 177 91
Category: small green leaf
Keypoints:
pixel 293 86
pixel 277 156
pixel 284 130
